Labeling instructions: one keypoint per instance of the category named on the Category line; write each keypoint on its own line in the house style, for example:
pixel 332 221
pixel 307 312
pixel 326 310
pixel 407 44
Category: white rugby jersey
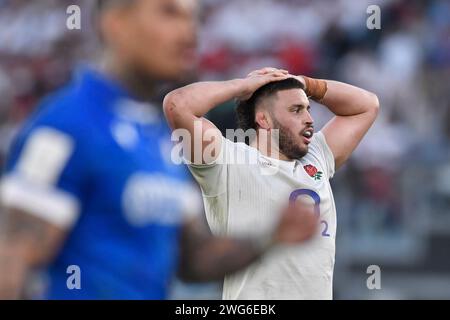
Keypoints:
pixel 244 200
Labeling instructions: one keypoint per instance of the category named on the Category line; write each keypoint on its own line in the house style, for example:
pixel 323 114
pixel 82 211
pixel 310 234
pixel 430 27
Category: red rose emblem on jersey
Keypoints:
pixel 313 172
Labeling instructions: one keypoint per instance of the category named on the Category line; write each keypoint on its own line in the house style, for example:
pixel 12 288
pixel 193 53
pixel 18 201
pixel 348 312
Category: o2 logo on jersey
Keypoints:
pixel 152 198
pixel 296 194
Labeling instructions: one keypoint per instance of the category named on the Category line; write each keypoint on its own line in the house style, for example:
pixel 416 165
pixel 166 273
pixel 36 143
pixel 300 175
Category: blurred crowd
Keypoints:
pixel 396 182
pixel 393 193
pixel 37 55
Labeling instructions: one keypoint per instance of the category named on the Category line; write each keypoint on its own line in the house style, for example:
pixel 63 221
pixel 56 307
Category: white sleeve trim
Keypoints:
pixel 45 155
pixel 54 206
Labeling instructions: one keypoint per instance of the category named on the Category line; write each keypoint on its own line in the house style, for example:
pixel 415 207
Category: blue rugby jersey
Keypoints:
pixel 95 161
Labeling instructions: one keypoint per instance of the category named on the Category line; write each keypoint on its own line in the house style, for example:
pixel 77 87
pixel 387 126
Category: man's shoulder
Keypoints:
pixel 59 115
pixel 64 110
pixel 237 146
pixel 319 157
pixel 64 106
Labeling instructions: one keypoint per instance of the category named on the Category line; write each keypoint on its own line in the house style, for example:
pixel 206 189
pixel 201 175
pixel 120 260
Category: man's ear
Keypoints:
pixel 263 120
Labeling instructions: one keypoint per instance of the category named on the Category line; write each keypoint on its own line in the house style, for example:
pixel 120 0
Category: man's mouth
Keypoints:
pixel 189 55
pixel 308 134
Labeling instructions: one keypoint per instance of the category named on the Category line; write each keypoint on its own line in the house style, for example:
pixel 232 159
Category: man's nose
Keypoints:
pixel 309 119
pixel 188 31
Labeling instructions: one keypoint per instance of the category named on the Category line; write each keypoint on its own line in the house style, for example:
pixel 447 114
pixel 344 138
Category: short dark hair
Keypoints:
pixel 245 110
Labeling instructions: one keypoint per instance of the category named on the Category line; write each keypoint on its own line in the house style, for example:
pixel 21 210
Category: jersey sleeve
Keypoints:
pixel 321 152
pixel 45 174
pixel 212 177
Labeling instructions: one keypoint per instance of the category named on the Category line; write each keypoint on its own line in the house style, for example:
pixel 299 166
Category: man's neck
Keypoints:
pixel 267 148
pixel 138 84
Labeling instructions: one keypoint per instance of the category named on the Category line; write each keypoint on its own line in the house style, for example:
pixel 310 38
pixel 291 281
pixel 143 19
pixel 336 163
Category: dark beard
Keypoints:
pixel 287 144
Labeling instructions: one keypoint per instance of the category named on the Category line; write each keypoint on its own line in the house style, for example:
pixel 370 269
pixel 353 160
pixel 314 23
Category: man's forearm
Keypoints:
pixel 199 98
pixel 26 242
pixel 208 258
pixel 346 100
pixel 182 107
pixel 218 257
pixel 355 111
pixel 14 269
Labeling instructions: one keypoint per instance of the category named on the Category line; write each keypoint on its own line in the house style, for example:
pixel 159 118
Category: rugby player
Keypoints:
pixel 90 192
pixel 241 198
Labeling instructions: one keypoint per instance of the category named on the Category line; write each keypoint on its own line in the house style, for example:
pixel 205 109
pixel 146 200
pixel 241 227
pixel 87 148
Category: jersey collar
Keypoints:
pixel 99 86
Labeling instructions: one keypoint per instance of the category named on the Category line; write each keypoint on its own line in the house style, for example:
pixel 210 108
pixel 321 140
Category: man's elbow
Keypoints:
pixel 373 104
pixel 173 102
pixel 175 108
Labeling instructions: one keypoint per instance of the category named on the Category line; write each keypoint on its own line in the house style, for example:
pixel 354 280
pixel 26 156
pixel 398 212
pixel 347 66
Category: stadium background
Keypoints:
pixel 393 197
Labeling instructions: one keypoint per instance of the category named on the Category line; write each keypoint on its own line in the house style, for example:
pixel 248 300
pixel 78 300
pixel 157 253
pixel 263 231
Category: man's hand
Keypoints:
pixel 206 258
pixel 300 79
pixel 259 78
pixel 186 106
pixel 298 223
pixel 266 70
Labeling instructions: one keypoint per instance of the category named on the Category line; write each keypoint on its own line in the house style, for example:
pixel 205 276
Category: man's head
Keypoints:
pixel 281 105
pixel 156 37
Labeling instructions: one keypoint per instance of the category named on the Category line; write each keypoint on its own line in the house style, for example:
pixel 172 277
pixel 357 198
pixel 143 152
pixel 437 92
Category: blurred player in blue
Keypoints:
pixel 90 192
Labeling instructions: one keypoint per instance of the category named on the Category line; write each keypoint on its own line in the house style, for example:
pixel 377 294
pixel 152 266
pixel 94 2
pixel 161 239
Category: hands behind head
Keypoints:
pixel 259 78
pixel 267 70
